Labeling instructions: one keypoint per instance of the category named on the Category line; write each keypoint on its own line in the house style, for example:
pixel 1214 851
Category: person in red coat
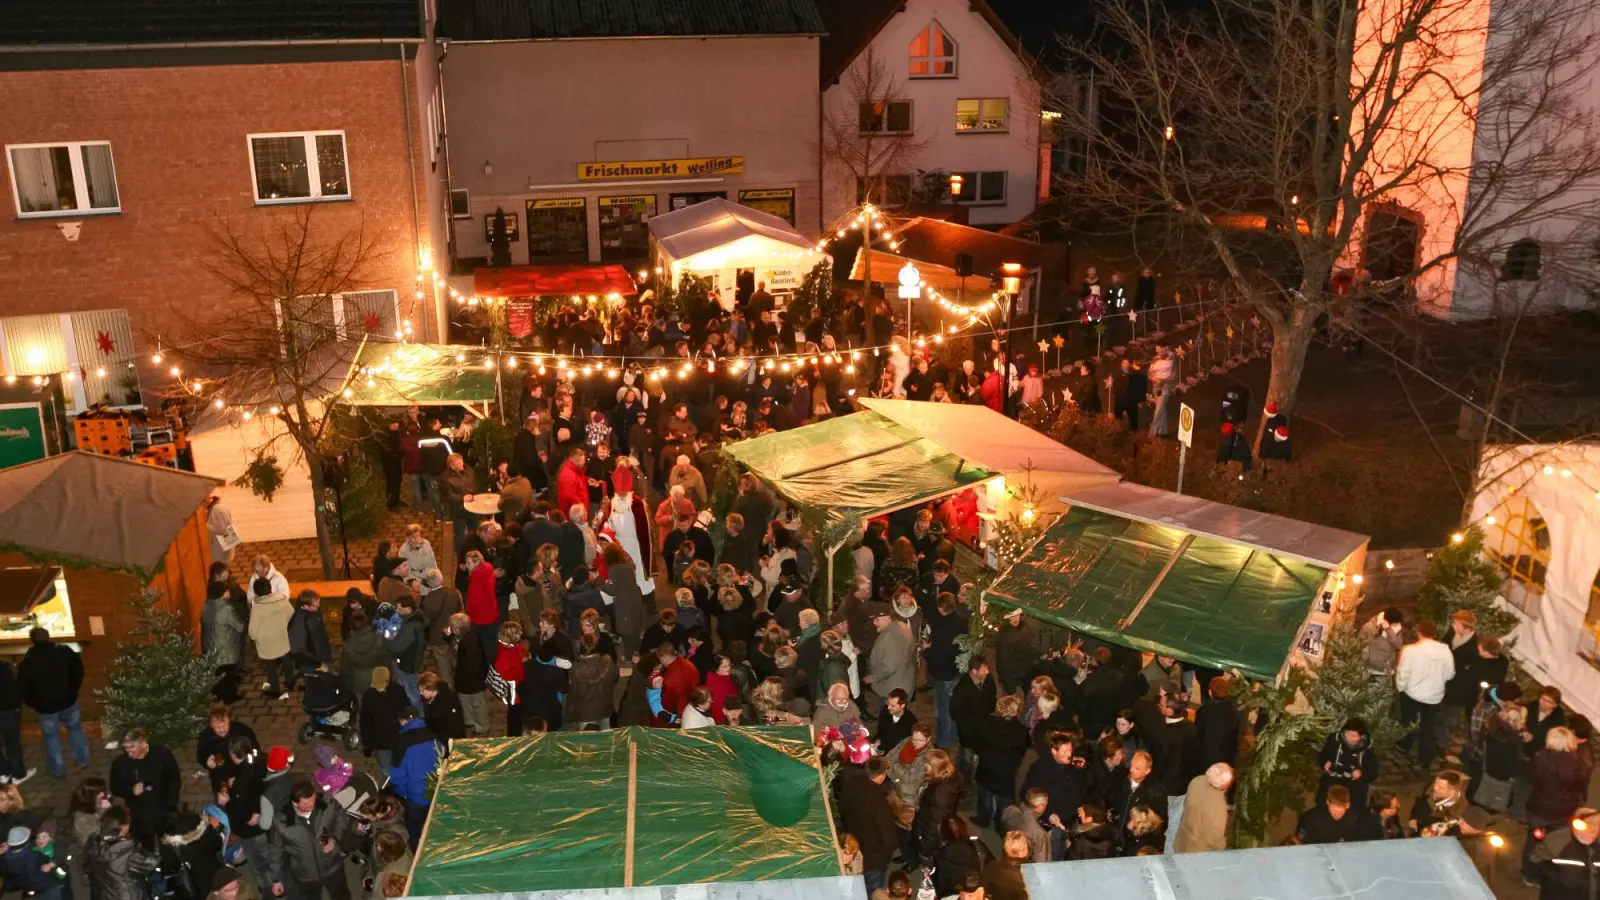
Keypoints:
pixel 993 391
pixel 481 606
pixel 572 482
pixel 679 678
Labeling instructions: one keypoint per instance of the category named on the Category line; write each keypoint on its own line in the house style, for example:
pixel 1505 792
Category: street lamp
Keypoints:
pixel 910 289
pixel 955 185
pixel 1011 284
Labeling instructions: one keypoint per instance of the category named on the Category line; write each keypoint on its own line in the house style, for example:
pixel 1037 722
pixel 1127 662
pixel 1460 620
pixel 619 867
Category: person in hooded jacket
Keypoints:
pixel 308 834
pixel 191 850
pixel 363 651
pixel 1093 837
pixel 1348 758
pixel 118 866
pixel 416 756
pixel 270 612
pixel 628 606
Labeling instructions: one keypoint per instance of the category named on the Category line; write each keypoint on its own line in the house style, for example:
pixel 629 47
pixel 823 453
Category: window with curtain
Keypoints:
pixel 986 114
pixel 55 179
pixel 979 188
pixel 933 53
pixel 1522 550
pixel 299 167
pixel 886 117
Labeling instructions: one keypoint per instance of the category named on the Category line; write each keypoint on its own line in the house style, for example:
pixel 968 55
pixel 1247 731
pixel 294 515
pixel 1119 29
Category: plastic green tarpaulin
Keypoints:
pixel 856 466
pixel 394 374
pixel 1204 599
pixel 550 811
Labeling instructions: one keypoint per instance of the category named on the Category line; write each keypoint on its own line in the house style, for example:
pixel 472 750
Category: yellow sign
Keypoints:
pixel 628 201
pixel 565 203
pixel 767 194
pixel 661 168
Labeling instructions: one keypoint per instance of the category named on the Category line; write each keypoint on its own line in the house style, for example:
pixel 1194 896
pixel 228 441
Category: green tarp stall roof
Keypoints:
pixel 858 465
pixel 1168 587
pixel 390 373
pixel 552 811
pixel 87 508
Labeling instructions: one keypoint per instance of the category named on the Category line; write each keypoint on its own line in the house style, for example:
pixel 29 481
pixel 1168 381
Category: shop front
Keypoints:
pixel 733 247
pixel 625 226
pixel 558 230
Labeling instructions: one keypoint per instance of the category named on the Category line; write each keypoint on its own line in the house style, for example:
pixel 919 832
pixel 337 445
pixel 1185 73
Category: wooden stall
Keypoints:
pixel 81 533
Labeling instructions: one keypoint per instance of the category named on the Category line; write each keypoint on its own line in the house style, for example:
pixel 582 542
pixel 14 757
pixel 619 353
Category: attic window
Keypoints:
pixel 1522 261
pixel 933 53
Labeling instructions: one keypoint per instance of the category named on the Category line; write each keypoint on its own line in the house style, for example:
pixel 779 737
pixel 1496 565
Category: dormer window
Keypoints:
pixel 933 53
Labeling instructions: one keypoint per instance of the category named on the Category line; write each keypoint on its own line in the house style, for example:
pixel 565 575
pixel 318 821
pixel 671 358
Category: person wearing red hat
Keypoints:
pixel 1275 442
pixel 629 523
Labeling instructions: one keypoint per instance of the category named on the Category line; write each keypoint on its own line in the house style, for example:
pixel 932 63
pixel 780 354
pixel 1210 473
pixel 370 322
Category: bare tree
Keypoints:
pixel 864 143
pixel 272 347
pixel 1299 143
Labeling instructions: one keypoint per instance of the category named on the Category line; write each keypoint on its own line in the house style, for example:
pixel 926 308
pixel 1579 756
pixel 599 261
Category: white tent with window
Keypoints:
pixel 1539 508
pixel 715 239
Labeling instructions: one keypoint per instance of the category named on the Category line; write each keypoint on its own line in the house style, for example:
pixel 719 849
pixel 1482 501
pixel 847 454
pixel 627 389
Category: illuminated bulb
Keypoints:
pixel 784 367
pixel 1358 578
pixel 612 373
pixel 1388 564
pixel 348 393
pixel 938 339
pixel 855 354
pixel 69 375
pixel 488 364
pixel 840 232
pixel 1496 841
pixel 197 387
pixel 37 380
pixel 155 360
pixel 1549 470
pixel 850 370
pixel 1566 473
pixel 175 371
pixel 1457 538
pixel 461 357
pixel 11 379
pixel 1490 520
pixel 218 403
pixel 1027 515
pixel 246 415
pixel 851 392
pixel 511 362
pixel 561 364
pixel 100 372
pixel 272 410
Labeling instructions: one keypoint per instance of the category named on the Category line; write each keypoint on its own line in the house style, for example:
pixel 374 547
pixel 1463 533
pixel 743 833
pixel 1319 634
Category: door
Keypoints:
pixel 625 227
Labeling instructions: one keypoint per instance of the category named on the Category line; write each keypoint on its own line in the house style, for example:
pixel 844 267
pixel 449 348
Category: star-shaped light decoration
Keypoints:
pixel 1060 342
pixel 373 322
pixel 1211 335
pixel 1133 316
pixel 1230 332
pixel 1255 320
pixel 1043 346
pixel 107 345
pixel 1182 352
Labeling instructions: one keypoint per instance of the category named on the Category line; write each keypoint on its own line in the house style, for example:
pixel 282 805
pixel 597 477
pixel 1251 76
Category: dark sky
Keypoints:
pixel 1036 23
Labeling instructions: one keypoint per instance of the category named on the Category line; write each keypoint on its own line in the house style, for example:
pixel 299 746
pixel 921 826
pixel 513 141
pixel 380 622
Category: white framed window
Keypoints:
pixel 984 114
pixel 75 178
pixel 982 188
pixel 298 167
pixel 886 117
pixel 933 53
pixel 318 320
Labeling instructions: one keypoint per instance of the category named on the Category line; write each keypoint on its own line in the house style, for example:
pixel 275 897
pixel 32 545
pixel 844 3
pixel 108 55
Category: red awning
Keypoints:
pixel 553 281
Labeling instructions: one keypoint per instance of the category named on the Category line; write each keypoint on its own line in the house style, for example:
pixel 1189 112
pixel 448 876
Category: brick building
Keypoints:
pixel 135 129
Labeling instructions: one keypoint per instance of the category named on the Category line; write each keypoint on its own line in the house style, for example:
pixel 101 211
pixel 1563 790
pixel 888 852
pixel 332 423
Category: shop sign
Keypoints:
pixel 781 279
pixel 767 194
pixel 519 318
pixel 661 168
pixel 21 434
pixel 639 200
pixel 563 203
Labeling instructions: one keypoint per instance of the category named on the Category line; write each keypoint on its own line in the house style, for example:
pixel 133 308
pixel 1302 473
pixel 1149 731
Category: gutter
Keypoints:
pixel 630 37
pixel 203 45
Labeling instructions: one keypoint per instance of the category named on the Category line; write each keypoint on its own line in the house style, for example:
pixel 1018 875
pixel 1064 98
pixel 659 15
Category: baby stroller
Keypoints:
pixel 330 710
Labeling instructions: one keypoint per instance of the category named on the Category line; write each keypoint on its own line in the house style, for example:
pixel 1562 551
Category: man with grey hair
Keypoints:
pixel 1027 816
pixel 1204 816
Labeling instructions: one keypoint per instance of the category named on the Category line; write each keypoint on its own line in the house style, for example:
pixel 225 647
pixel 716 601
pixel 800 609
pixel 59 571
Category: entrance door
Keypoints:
pixel 558 231
pixel 744 281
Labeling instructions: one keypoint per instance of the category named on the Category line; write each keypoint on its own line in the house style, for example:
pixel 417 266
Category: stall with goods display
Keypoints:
pixel 616 811
pixel 81 533
pixel 733 247
pixel 1202 582
pixel 525 299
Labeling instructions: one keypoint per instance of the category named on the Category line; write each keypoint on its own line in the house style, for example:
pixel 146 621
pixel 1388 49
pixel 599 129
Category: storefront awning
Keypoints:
pixel 394 374
pixel 857 466
pixel 1165 589
pixel 554 281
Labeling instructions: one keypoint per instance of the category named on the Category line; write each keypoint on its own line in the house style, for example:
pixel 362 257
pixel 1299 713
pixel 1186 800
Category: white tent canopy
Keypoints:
pixel 1317 544
pixel 984 437
pixel 1545 537
pixel 716 238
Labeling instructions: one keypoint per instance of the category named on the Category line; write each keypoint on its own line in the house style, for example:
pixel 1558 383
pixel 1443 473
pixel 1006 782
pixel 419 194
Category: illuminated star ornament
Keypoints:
pixel 1043 346
pixel 1060 342
pixel 107 345
pixel 1133 316
pixel 373 322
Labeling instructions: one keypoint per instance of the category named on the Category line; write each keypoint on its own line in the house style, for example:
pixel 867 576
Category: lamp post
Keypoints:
pixel 910 289
pixel 956 182
pixel 1011 285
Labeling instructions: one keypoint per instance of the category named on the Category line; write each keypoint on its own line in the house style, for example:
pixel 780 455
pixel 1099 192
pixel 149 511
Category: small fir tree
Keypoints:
pixel 1461 578
pixel 157 682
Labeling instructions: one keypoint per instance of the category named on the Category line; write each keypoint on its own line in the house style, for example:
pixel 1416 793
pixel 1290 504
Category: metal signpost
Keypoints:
pixel 1185 438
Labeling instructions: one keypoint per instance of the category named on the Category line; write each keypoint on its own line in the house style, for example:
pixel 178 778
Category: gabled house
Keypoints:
pixel 917 90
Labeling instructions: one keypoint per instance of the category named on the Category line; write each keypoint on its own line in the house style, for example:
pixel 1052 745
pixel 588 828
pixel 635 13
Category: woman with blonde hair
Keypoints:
pixel 735 618
pixel 770 700
pixel 1001 742
pixel 941 795
pixel 1147 829
pixel 1558 778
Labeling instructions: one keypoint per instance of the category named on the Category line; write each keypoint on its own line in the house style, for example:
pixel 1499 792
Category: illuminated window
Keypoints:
pixel 295 168
pixel 1522 261
pixel 933 53
pixel 63 179
pixel 982 188
pixel 982 115
pixel 33 596
pixel 1523 552
pixel 886 117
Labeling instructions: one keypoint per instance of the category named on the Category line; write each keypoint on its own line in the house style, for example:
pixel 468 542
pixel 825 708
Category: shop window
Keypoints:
pixel 982 115
pixel 933 53
pixel 1522 261
pixel 886 117
pixel 886 190
pixel 982 188
pixel 625 228
pixel 295 168
pixel 772 201
pixel 684 201
pixel 55 179
pixel 558 231
pixel 1523 550
pixel 35 596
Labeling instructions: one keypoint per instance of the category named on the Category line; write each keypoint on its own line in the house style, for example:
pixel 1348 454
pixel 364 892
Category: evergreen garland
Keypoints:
pixel 157 682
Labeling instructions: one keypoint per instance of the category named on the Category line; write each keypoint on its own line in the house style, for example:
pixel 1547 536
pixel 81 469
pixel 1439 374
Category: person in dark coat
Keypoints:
pixel 117 865
pixel 12 765
pixel 962 856
pixel 308 634
pixel 896 722
pixel 1176 747
pixel 1139 787
pixel 1014 653
pixel 1334 820
pixel 211 747
pixel 49 678
pixel 146 779
pixel 472 673
pixel 941 794
pixel 441 708
pixel 863 803
pixel 1093 838
pixel 1102 694
pixel 1217 722
pixel 380 710
pixel 192 850
pixel 1061 775
pixel 1002 742
pixel 1348 759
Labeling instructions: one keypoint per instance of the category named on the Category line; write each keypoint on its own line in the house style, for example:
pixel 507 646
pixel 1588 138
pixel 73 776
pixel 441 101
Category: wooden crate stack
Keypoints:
pixel 108 434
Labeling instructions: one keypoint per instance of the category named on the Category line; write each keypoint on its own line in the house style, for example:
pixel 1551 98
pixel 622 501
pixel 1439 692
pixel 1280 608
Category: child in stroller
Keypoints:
pixel 329 708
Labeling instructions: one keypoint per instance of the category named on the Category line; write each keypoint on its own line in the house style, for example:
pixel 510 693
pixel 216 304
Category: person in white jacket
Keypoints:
pixel 697 712
pixel 270 611
pixel 1425 667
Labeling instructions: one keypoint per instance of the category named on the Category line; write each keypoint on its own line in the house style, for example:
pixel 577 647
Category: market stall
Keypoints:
pixel 393 374
pixel 1203 582
pixel 529 294
pixel 629 808
pixel 732 246
pixel 81 533
pixel 1539 508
